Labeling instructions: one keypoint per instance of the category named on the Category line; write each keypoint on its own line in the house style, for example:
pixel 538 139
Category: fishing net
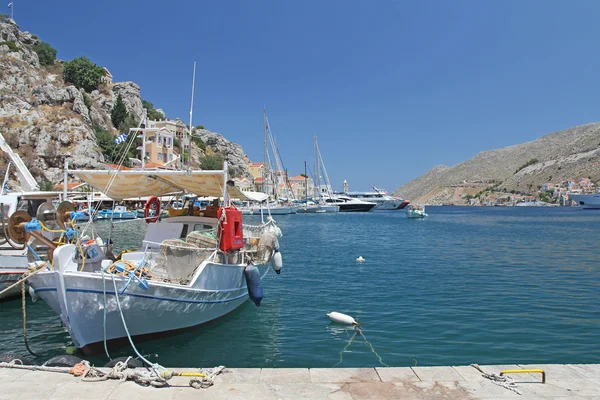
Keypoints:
pixel 176 260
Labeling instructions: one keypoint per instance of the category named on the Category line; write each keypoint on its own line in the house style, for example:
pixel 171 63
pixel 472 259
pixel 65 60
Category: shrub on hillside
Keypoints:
pixel 45 52
pixel 83 73
pixel 212 162
pixel 527 164
pixel 12 46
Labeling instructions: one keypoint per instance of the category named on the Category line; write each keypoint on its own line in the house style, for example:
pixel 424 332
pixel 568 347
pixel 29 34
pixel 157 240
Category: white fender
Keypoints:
pixel 341 318
pixel 277 261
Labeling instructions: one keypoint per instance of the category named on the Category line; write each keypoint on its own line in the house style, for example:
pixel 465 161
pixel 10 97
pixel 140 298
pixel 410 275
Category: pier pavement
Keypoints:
pixel 573 381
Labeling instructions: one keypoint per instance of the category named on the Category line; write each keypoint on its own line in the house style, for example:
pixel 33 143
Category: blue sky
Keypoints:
pixel 391 88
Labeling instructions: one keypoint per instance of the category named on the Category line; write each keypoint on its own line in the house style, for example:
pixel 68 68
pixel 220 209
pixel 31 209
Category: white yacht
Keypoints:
pixel 348 204
pixel 587 201
pixel 381 198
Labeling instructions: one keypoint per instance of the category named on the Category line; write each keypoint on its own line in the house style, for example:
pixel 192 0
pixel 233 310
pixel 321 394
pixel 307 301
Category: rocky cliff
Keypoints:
pixel 569 154
pixel 48 121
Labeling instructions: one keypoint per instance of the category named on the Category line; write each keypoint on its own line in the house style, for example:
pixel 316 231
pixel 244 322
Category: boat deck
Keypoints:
pixel 577 381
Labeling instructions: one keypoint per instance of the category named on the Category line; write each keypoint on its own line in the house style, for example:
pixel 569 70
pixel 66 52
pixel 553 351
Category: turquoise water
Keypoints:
pixel 467 285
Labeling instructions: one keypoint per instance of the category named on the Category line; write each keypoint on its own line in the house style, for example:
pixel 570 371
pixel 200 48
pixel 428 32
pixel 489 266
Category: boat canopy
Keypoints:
pixel 132 183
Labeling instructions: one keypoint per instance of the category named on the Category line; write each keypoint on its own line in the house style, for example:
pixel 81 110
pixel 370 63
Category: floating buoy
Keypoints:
pixel 277 262
pixel 342 318
pixel 360 259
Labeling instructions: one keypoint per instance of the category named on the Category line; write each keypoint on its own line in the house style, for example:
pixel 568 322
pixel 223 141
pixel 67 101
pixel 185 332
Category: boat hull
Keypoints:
pixel 586 201
pixel 79 299
pixel 12 268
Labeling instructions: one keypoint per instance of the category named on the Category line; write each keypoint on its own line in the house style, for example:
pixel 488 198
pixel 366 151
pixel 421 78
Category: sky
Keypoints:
pixel 391 88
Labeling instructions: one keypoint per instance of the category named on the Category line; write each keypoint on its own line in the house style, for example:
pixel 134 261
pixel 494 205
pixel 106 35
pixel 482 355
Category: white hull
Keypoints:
pixel 277 211
pixel 318 209
pixel 216 290
pixel 415 214
pixel 587 201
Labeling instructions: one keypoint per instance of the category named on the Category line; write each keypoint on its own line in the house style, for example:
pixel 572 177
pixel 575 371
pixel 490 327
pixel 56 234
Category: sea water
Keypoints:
pixel 466 285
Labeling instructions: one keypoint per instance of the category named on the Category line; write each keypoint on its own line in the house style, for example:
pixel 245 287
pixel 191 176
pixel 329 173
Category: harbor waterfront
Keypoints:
pixel 466 285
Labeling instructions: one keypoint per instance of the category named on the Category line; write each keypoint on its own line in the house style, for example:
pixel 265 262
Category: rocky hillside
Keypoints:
pixel 48 121
pixel 569 154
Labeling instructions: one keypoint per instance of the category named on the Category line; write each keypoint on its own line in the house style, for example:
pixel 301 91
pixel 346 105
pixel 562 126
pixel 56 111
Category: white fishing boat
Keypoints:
pixel 188 270
pixel 416 211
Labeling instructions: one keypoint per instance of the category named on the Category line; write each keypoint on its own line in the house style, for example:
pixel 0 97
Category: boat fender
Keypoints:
pixel 342 318
pixel 277 262
pixel 131 362
pixel 62 361
pixel 32 294
pixel 255 291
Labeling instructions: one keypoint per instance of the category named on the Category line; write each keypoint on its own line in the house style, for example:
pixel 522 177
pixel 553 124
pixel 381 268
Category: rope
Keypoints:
pixel 26 275
pixel 358 331
pixel 24 313
pixel 155 367
pixel 504 381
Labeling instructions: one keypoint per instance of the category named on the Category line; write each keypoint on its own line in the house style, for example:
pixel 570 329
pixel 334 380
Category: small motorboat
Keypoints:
pixel 416 211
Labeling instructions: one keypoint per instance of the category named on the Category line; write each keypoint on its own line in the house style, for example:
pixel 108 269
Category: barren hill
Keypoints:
pixel 568 154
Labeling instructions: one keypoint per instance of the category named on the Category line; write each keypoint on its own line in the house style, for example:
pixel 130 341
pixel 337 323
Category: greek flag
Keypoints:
pixel 120 139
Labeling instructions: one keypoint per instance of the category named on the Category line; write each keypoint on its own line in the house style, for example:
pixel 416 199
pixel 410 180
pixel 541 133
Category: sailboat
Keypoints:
pixel 321 205
pixel 275 181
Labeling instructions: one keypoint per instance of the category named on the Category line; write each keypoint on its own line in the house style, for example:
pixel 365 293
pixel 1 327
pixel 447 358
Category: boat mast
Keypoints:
pixel 265 172
pixel 191 114
pixel 305 185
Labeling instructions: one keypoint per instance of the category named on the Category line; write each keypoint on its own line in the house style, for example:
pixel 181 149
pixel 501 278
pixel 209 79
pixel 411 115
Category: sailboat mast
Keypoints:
pixel 191 115
pixel 305 185
pixel 265 172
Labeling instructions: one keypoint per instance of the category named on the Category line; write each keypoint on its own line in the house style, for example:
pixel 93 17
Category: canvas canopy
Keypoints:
pixel 140 183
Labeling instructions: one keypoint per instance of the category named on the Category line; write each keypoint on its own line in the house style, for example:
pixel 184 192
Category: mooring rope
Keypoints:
pixel 358 331
pixel 504 381
pixel 24 313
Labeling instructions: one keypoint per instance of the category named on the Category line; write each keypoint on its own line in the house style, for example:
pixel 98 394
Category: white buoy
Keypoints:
pixel 277 261
pixel 341 318
pixel 360 259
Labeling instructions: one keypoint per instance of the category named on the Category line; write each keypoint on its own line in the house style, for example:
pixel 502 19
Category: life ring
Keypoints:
pixel 152 201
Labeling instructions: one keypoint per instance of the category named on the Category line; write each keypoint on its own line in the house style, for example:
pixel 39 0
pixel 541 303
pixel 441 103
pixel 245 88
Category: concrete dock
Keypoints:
pixel 573 381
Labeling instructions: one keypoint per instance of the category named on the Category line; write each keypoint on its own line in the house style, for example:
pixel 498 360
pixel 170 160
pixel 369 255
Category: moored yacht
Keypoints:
pixel 381 198
pixel 348 204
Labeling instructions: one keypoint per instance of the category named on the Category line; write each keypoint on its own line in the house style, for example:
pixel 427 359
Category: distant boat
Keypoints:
pixel 416 211
pixel 119 212
pixel 381 198
pixel 586 201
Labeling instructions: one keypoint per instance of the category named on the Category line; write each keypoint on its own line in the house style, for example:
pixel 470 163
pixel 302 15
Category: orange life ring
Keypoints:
pixel 152 201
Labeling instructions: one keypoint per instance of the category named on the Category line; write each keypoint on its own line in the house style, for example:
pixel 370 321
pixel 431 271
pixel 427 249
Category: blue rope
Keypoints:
pixel 154 367
pixel 29 248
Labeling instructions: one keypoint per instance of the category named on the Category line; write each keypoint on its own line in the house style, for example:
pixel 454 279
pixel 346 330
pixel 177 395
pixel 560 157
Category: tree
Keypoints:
pixel 82 73
pixel 110 150
pixel 118 114
pixel 152 113
pixel 45 52
pixel 212 162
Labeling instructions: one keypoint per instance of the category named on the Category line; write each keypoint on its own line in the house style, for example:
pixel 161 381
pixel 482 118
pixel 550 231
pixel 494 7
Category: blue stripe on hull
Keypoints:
pixel 145 296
